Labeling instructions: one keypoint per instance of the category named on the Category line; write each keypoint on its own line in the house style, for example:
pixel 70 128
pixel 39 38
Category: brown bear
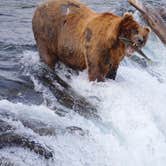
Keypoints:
pixel 70 32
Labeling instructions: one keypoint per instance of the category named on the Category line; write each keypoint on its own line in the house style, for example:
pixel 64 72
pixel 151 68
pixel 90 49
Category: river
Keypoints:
pixel 132 108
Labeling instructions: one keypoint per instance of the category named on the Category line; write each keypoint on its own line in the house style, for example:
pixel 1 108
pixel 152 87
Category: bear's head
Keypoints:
pixel 132 33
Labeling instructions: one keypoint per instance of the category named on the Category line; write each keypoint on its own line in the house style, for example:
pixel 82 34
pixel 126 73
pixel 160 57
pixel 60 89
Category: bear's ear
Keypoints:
pixel 128 16
pixel 127 22
pixel 147 29
pixel 127 19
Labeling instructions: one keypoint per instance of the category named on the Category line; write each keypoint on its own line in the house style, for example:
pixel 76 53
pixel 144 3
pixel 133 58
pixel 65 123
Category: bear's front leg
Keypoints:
pixel 94 73
pixel 112 72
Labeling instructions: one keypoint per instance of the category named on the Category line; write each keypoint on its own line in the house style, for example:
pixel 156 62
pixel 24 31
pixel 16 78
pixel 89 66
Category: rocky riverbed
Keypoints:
pixel 60 118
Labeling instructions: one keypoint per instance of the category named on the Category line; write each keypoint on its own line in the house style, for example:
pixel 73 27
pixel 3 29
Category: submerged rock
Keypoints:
pixel 64 94
pixel 12 139
pixel 9 137
pixel 19 90
pixel 37 126
pixel 6 162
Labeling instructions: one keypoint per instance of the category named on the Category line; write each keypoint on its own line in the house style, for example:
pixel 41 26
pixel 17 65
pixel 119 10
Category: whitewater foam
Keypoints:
pixel 132 108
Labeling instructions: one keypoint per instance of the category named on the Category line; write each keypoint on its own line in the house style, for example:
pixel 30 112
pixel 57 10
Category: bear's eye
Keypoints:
pixel 134 31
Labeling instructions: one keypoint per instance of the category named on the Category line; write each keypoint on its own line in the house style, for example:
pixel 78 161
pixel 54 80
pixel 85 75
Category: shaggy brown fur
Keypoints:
pixel 69 31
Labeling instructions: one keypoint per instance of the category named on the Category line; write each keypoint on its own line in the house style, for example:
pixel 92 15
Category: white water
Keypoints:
pixel 133 110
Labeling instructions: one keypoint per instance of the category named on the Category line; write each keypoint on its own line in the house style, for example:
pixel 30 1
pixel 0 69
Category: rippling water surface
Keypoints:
pixel 132 108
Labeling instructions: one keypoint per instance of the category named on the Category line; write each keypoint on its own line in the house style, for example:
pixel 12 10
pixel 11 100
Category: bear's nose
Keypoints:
pixel 140 41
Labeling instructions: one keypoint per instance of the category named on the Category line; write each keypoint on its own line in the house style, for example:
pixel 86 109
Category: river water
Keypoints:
pixel 132 108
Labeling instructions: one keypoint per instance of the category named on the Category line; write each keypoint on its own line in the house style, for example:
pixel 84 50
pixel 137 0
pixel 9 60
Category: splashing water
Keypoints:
pixel 132 108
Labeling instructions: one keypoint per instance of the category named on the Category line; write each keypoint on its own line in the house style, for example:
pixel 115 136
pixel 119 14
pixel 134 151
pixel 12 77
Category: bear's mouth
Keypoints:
pixel 130 50
pixel 132 47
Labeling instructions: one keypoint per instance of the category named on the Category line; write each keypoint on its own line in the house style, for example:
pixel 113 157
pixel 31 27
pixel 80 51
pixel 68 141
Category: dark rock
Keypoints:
pixel 19 90
pixel 38 127
pixel 9 138
pixel 64 94
pixel 76 130
pixel 5 126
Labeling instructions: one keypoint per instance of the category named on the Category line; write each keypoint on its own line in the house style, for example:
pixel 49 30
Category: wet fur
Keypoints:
pixel 69 31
